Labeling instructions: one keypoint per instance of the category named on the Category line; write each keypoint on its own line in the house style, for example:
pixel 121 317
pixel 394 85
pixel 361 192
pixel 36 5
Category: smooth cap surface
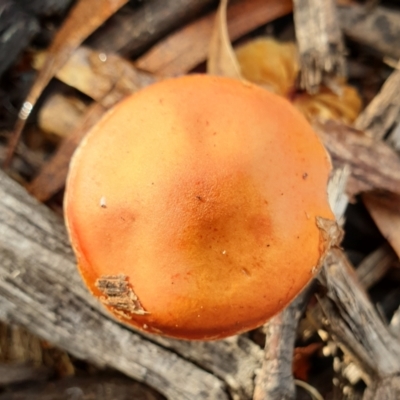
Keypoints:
pixel 192 207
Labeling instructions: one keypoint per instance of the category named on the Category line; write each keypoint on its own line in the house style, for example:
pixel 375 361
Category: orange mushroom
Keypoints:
pixel 195 207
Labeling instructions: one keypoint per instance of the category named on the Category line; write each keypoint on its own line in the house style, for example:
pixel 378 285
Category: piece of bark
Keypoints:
pixel 41 289
pixel 373 164
pixel 106 78
pixel 132 31
pixel 12 374
pixel 377 27
pixel 17 28
pixel 100 387
pixel 380 115
pixel 354 323
pixel 188 47
pixel 59 115
pixel 84 18
pixel 375 266
pixel 320 42
pixel 275 378
pixel 385 211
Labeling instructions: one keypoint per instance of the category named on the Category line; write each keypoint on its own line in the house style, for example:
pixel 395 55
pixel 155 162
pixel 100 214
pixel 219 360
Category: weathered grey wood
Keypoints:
pixel 41 290
pixel 377 27
pixel 355 324
pixel 234 360
pixel 98 387
pixel 11 373
pixel 375 266
pixel 320 42
pixel 385 389
pixel 381 114
pixel 373 164
pixel 275 379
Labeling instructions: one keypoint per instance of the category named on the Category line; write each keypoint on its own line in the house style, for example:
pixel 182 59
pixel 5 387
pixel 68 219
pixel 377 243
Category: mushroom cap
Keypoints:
pixel 192 207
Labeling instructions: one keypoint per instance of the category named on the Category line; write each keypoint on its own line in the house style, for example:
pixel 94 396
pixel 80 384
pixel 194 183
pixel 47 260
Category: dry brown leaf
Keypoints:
pixel 222 59
pixel 385 211
pixel 85 17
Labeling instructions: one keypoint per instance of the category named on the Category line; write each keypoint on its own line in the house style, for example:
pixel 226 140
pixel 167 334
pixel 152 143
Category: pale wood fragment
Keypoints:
pixel 59 115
